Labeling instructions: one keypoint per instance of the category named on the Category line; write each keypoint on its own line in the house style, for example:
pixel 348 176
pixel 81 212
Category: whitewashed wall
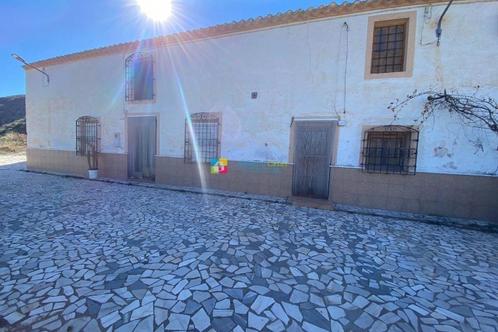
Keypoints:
pixel 297 70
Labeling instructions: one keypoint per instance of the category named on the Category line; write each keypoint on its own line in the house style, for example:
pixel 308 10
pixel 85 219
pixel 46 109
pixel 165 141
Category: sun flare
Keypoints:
pixel 156 10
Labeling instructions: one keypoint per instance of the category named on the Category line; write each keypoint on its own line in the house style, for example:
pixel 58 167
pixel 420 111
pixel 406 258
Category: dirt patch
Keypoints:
pixel 12 143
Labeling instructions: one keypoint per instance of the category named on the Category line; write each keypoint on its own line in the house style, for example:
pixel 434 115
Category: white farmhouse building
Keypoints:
pixel 296 102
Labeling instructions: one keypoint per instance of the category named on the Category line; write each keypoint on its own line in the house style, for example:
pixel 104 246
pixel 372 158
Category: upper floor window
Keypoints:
pixel 390 45
pixel 202 137
pixel 139 77
pixel 87 135
pixel 390 149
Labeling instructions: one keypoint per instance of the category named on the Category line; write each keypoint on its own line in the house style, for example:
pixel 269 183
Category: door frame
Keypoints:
pixel 333 122
pixel 140 115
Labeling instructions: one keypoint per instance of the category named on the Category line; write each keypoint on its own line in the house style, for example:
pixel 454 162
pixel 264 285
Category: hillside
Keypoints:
pixel 12 124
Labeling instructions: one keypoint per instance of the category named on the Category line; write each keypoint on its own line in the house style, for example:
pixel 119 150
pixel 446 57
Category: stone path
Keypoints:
pixel 77 255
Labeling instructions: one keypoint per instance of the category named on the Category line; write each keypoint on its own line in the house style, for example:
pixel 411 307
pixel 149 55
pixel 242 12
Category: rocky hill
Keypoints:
pixel 12 124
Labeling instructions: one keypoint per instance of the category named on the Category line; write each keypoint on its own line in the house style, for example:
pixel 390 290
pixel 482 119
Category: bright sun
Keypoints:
pixel 156 10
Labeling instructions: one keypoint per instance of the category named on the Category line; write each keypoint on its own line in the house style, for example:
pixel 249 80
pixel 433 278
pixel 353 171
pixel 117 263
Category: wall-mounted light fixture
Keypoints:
pixel 21 60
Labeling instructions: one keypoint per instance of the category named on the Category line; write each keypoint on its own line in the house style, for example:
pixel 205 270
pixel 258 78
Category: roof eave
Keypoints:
pixel 290 17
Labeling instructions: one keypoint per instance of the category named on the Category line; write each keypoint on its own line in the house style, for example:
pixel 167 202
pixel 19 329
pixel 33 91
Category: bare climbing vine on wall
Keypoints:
pixel 474 110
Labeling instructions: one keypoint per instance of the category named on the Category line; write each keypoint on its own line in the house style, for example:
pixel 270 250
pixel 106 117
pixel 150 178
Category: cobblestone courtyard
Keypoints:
pixel 81 255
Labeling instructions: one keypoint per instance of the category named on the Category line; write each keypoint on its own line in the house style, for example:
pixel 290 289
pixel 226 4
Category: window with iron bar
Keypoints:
pixel 390 150
pixel 389 47
pixel 139 75
pixel 87 135
pixel 202 137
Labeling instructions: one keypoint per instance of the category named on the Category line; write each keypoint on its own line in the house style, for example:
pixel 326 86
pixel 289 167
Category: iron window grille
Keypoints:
pixel 139 74
pixel 390 150
pixel 202 137
pixel 389 47
pixel 87 135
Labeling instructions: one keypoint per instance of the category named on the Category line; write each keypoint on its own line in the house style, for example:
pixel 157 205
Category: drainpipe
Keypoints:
pixel 439 30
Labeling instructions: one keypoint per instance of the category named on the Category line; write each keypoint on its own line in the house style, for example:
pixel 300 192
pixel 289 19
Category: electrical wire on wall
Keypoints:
pixel 344 28
pixel 439 29
pixel 426 21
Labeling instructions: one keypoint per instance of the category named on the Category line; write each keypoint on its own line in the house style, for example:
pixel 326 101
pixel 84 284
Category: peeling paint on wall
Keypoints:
pixel 450 165
pixel 440 152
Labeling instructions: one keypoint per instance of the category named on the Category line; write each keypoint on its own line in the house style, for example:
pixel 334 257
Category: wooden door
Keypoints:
pixel 312 157
pixel 142 147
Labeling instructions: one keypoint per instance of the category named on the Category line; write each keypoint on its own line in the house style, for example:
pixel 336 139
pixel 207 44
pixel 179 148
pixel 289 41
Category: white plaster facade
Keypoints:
pixel 298 70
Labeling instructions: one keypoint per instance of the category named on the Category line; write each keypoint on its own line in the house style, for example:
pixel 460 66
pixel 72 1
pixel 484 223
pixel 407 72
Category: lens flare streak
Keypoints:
pixel 195 146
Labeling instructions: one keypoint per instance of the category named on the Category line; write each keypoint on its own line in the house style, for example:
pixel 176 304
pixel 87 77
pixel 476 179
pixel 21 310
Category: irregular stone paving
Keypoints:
pixel 81 255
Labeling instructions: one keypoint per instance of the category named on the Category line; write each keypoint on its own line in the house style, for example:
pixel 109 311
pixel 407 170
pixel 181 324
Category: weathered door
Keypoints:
pixel 312 157
pixel 141 147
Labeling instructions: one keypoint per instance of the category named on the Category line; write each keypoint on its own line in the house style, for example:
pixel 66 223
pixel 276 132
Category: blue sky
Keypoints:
pixel 40 29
